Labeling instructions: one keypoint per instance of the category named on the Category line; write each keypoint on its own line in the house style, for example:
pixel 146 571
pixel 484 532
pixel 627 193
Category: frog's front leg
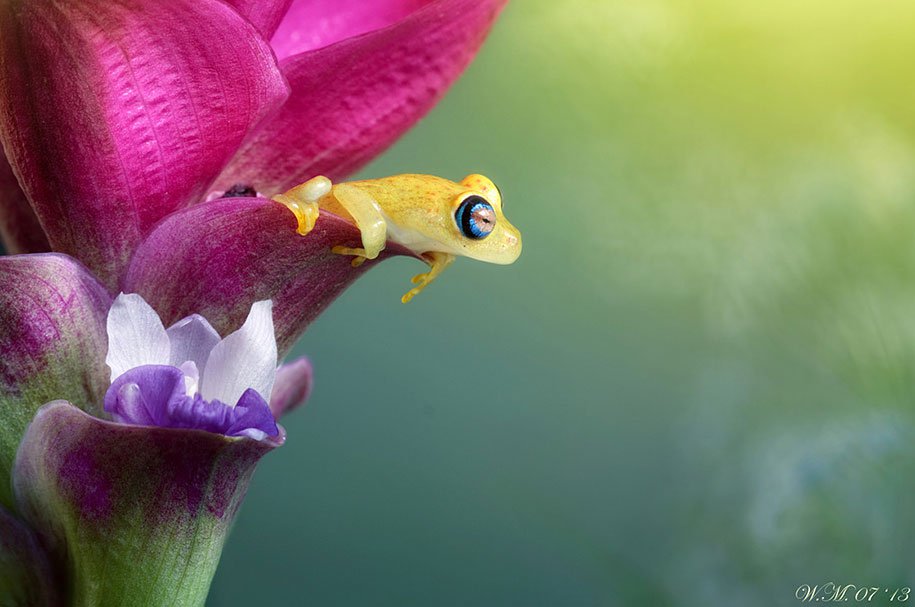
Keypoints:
pixel 303 199
pixel 368 218
pixel 437 262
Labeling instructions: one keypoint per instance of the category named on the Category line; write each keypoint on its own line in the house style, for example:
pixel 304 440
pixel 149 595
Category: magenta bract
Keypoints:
pixel 144 107
pixel 118 119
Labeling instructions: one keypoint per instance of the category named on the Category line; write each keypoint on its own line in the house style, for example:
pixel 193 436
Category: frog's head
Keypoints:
pixel 484 232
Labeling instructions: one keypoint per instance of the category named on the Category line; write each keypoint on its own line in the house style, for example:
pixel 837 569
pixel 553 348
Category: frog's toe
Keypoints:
pixel 410 295
pixel 437 264
pixel 359 255
pixel 421 281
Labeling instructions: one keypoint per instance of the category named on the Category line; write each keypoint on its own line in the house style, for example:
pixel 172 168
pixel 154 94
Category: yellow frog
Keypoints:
pixel 435 218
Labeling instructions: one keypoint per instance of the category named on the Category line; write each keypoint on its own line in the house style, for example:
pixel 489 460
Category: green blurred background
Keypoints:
pixel 696 386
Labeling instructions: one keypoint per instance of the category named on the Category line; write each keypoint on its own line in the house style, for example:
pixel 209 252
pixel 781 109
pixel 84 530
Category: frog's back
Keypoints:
pixel 411 191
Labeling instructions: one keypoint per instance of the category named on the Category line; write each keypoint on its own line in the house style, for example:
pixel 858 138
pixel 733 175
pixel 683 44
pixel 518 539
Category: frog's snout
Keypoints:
pixel 510 250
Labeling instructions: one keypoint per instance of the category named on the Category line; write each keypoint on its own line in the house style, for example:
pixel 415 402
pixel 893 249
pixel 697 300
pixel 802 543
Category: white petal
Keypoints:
pixel 192 340
pixel 245 359
pixel 135 335
pixel 191 377
pixel 254 433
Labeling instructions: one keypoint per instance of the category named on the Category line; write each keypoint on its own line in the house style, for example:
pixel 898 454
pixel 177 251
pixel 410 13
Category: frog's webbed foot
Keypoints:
pixel 303 199
pixel 359 255
pixel 437 264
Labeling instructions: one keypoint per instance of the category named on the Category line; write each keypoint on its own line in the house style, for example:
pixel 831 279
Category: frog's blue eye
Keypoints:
pixel 475 217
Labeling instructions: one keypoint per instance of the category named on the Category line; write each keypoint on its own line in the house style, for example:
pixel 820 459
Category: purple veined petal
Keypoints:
pixel 313 24
pixel 149 507
pixel 253 417
pixel 192 339
pixel 244 359
pixel 265 15
pixel 113 114
pixel 249 417
pixel 26 575
pixel 353 99
pixel 52 343
pixel 141 396
pixel 154 395
pixel 218 258
pixel 135 335
pixel 20 231
pixel 294 381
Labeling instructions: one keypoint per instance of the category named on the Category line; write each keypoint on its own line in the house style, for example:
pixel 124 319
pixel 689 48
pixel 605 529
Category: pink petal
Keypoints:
pixel 20 231
pixel 52 343
pixel 217 258
pixel 311 24
pixel 293 386
pixel 115 113
pixel 353 99
pixel 265 15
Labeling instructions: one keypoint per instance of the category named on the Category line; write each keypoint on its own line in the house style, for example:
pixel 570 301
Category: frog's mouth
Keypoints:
pixel 503 247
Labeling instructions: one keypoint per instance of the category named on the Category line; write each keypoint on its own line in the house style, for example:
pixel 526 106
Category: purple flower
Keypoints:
pixel 118 119
pixel 186 376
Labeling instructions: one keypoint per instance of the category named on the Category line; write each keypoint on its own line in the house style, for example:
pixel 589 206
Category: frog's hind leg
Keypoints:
pixel 368 218
pixel 437 262
pixel 303 199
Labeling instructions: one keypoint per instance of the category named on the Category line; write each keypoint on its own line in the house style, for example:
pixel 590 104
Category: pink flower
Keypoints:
pixel 118 119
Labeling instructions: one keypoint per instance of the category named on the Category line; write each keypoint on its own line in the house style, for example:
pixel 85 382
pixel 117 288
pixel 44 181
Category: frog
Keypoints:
pixel 435 218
